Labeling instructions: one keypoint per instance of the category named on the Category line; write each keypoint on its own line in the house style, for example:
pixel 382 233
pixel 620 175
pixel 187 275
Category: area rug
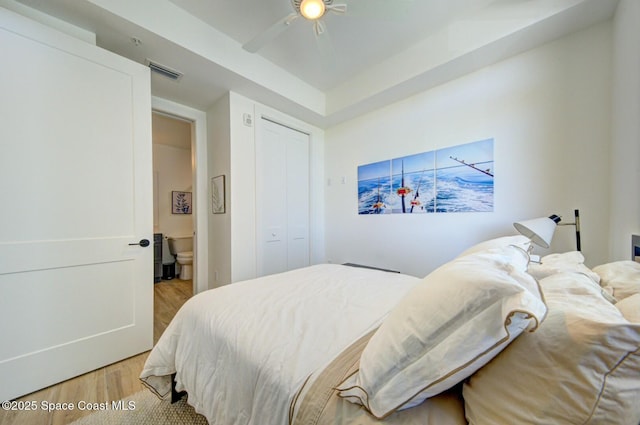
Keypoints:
pixel 144 408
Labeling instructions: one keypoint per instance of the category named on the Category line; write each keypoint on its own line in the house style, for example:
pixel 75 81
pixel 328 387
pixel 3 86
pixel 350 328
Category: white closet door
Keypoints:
pixel 282 198
pixel 76 187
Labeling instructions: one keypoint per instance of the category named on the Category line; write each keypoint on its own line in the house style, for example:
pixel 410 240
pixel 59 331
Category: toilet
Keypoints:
pixel 182 248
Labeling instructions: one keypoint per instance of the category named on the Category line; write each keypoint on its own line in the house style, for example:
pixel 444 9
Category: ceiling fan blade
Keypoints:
pixel 380 9
pixel 325 45
pixel 319 27
pixel 269 34
pixel 337 8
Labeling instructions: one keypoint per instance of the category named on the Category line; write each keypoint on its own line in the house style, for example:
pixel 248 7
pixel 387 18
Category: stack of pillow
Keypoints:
pixel 583 363
pixel 473 321
pixel 460 317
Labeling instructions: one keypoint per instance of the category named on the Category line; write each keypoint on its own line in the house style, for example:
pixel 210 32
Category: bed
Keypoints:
pixel 488 338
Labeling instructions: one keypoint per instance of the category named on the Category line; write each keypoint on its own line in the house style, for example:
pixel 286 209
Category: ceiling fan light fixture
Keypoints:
pixel 312 9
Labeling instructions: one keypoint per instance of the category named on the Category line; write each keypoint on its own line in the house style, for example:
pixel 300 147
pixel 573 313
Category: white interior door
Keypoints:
pixel 282 198
pixel 76 190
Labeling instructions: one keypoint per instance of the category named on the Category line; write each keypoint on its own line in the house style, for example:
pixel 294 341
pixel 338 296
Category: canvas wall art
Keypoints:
pixel 454 179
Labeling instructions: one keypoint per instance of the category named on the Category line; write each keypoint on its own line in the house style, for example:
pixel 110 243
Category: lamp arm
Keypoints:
pixel 577 224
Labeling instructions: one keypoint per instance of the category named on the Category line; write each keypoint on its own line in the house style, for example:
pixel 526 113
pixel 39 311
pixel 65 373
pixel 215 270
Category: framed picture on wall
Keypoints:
pixel 217 195
pixel 180 202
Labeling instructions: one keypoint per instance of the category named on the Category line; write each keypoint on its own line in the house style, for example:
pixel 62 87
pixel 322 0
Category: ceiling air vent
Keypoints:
pixel 164 70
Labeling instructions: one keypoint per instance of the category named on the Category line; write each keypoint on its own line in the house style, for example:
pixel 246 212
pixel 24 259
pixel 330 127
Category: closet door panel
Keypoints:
pixel 282 198
pixel 297 199
pixel 271 205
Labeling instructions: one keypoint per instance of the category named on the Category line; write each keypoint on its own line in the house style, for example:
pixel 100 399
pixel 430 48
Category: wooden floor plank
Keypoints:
pixel 112 382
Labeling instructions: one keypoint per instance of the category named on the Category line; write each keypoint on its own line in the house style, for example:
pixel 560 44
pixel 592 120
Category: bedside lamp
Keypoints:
pixel 539 230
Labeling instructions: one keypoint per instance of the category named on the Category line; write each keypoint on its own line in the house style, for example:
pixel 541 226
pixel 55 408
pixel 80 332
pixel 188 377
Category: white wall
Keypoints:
pixel 549 113
pixel 218 132
pixel 243 188
pixel 172 171
pixel 625 148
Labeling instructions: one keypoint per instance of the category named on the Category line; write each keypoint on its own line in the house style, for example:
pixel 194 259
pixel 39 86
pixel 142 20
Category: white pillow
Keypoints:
pixel 520 241
pixel 572 261
pixel 582 366
pixel 568 262
pixel 622 276
pixel 444 329
pixel 566 284
pixel 630 308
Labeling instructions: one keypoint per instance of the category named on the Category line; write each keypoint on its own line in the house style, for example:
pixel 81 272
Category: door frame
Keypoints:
pixel 200 185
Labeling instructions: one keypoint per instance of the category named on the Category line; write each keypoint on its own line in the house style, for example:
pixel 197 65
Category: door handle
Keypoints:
pixel 143 243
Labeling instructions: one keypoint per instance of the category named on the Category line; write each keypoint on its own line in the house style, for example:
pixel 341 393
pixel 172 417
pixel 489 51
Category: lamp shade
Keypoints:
pixel 539 230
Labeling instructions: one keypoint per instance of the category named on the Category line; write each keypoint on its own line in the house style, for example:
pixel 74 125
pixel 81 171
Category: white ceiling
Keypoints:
pixel 358 39
pixel 380 50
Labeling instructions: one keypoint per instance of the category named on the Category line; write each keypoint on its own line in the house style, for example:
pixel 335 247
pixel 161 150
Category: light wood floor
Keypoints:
pixel 109 383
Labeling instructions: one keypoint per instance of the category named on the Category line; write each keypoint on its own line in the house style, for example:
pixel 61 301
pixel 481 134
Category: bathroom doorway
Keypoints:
pixel 195 121
pixel 173 215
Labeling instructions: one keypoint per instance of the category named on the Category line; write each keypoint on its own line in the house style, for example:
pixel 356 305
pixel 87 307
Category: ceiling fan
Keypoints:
pixel 314 10
pixel 311 10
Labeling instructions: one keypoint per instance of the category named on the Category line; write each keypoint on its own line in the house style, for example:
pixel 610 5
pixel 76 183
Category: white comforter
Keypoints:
pixel 241 351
